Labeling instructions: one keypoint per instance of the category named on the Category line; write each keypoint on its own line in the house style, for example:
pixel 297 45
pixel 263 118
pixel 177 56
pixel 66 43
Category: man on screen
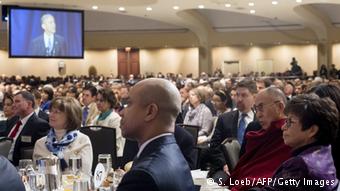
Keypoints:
pixel 49 43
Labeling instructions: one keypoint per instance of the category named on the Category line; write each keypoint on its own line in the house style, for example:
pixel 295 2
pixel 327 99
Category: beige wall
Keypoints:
pixel 336 55
pixel 184 60
pixel 281 56
pixel 105 62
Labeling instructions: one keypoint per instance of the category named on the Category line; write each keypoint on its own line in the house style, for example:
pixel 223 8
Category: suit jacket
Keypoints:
pixel 226 127
pixel 93 112
pixel 37 46
pixel 160 167
pixel 186 144
pixel 9 177
pixel 34 129
pixel 43 115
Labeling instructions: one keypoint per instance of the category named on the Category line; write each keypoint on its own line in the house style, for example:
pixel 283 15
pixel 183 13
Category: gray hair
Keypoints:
pixel 276 93
pixel 45 16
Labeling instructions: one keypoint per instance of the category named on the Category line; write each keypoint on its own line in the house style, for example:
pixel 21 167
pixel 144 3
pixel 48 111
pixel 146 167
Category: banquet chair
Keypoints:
pixel 5 146
pixel 231 150
pixel 103 140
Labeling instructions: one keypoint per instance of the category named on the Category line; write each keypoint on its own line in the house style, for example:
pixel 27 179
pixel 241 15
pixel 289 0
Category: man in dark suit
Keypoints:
pixel 233 124
pixel 49 43
pixel 9 177
pixel 159 164
pixel 27 129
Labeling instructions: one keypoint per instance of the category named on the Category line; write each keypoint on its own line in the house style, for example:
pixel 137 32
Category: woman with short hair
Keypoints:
pixel 64 140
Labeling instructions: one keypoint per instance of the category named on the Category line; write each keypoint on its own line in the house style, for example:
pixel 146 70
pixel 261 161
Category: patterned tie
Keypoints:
pixel 15 130
pixel 241 128
pixel 85 114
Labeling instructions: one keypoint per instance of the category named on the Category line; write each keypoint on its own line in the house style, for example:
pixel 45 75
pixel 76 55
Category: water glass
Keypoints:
pixel 117 177
pixel 81 185
pixel 24 163
pixel 106 160
pixel 75 165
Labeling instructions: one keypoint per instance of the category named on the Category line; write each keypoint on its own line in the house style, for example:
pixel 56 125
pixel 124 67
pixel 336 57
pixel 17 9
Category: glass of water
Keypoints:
pixel 106 160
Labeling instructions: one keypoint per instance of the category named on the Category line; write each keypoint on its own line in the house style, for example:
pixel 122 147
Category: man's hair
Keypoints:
pixel 27 96
pixel 276 93
pixel 44 17
pixel 249 84
pixel 91 89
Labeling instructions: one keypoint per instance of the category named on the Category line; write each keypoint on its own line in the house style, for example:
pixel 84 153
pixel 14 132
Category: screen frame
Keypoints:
pixel 12 7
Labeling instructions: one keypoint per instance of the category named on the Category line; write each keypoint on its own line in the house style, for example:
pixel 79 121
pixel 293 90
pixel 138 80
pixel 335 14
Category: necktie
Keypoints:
pixel 15 130
pixel 241 128
pixel 85 114
pixel 50 46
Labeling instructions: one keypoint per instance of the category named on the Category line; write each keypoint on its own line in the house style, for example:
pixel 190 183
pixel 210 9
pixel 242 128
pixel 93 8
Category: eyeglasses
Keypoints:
pixel 260 107
pixel 289 122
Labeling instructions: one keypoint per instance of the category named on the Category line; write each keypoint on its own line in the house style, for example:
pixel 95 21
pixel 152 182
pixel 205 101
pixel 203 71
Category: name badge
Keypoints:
pixel 26 139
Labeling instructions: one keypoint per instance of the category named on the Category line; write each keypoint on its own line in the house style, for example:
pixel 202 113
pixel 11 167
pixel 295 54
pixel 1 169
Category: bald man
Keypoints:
pixel 152 108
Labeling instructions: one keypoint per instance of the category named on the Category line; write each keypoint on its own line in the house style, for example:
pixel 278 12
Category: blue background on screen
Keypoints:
pixel 26 26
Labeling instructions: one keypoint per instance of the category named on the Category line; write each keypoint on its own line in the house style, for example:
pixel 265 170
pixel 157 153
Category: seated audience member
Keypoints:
pixel 333 92
pixel 64 140
pixel 90 110
pixel 222 102
pixel 310 129
pixel 106 101
pixel 27 129
pixel 41 114
pixel 46 98
pixel 264 149
pixel 9 176
pixel 9 114
pixel 199 114
pixel 159 164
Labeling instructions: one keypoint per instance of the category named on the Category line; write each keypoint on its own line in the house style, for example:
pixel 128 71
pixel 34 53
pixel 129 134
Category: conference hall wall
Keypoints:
pixel 176 60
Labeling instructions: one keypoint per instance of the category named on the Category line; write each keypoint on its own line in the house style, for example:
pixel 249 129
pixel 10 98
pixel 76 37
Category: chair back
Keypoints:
pixel 103 140
pixel 231 150
pixel 192 129
pixel 5 146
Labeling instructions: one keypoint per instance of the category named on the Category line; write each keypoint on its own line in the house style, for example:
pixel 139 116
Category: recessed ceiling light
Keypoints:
pixel 298 1
pixel 149 8
pixel 201 6
pixel 275 2
pixel 0 2
pixel 175 7
pixel 227 5
pixel 121 8
pixel 252 11
pixel 95 7
pixel 251 4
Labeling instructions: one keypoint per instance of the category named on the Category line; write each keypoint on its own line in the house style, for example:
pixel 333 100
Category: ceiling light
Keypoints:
pixel 121 8
pixel 0 2
pixel 149 9
pixel 201 6
pixel 227 5
pixel 275 2
pixel 175 7
pixel 252 11
pixel 251 4
pixel 298 1
pixel 95 7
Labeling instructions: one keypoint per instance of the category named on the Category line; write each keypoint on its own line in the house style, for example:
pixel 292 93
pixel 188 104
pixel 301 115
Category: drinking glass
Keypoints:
pixel 106 160
pixel 75 165
pixel 24 163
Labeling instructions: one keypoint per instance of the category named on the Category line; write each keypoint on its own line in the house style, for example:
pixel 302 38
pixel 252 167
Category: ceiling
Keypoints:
pixel 217 16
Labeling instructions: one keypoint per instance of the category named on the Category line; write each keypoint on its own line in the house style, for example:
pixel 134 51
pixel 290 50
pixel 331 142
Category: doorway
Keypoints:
pixel 128 61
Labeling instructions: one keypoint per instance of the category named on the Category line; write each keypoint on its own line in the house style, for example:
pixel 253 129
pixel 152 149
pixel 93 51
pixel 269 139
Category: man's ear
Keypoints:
pixel 151 111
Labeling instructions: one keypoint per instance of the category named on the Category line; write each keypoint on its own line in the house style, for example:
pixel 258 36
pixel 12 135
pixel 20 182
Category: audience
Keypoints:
pixel 63 139
pixel 106 102
pixel 89 109
pixel 159 164
pixel 264 149
pixel 27 129
pixel 309 130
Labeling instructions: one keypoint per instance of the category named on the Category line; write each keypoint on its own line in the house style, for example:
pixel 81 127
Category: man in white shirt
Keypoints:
pixel 149 118
pixel 27 129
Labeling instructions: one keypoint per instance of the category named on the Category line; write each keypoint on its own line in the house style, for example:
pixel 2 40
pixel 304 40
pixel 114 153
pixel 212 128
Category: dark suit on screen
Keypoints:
pixel 34 129
pixel 160 167
pixel 38 48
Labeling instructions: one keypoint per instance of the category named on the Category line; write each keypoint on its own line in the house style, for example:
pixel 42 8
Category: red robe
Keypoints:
pixel 265 152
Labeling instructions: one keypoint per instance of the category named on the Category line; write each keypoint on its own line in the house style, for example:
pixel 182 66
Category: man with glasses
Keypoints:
pixel 232 124
pixel 265 149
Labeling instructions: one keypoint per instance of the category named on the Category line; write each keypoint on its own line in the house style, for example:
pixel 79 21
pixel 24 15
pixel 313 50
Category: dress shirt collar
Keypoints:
pixel 141 148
